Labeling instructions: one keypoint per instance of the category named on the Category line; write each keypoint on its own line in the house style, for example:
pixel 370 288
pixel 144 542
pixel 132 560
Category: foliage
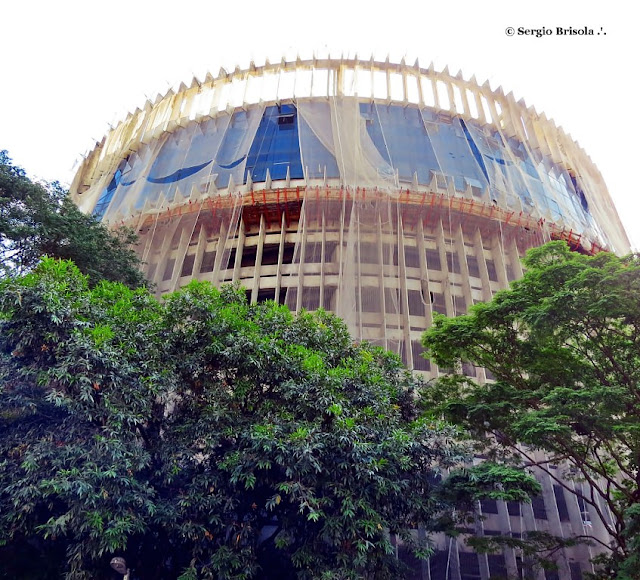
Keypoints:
pixel 564 346
pixel 203 437
pixel 39 219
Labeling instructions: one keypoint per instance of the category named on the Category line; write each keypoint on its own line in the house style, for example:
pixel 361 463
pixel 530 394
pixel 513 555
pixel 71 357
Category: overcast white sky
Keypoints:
pixel 71 67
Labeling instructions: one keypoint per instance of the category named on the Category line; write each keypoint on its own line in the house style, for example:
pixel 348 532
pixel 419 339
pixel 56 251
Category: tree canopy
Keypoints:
pixel 202 437
pixel 563 344
pixel 38 219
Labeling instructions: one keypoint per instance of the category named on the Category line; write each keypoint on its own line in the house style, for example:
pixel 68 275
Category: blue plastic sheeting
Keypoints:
pixel 413 146
pixel 402 139
pixel 107 195
pixel 240 135
pixel 453 155
pixel 179 175
pixel 276 146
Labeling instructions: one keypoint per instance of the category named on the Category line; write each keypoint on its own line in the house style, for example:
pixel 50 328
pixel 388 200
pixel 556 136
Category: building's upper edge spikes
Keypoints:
pixel 328 61
pixel 194 82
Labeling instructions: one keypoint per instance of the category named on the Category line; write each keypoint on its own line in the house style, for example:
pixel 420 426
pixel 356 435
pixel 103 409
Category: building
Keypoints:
pixel 382 192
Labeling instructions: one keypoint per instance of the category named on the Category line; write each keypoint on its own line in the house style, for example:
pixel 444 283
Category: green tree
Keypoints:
pixel 39 219
pixel 563 344
pixel 203 437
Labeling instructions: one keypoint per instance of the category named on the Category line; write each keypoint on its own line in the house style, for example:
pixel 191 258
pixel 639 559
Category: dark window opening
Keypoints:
pixel 286 122
pixel 416 306
pixel 187 265
pixel 313 253
pixel 539 510
pixel 391 301
pixel 459 305
pixel 329 293
pixel 497 566
pixel 168 270
pixel 368 253
pixel 419 362
pixel 491 269
pixel 370 299
pixel 407 557
pixel 438 565
pixel 412 257
pixel 270 254
pixel 329 251
pixel 390 255
pixel 265 294
pixel 469 566
pixel 575 570
pixel 208 261
pixel 513 507
pixel 437 302
pixel 433 260
pixel 231 262
pixel 311 298
pixel 563 510
pixel 248 256
pixel 489 506
pixel 287 253
pixel 472 264
pixel 453 263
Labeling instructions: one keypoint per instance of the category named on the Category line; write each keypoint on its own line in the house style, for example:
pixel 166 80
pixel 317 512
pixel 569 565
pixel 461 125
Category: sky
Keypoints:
pixel 71 68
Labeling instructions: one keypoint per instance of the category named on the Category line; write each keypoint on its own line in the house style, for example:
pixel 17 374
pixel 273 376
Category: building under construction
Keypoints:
pixel 381 192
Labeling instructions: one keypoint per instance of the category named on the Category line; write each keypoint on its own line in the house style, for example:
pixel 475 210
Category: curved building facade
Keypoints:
pixel 382 192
